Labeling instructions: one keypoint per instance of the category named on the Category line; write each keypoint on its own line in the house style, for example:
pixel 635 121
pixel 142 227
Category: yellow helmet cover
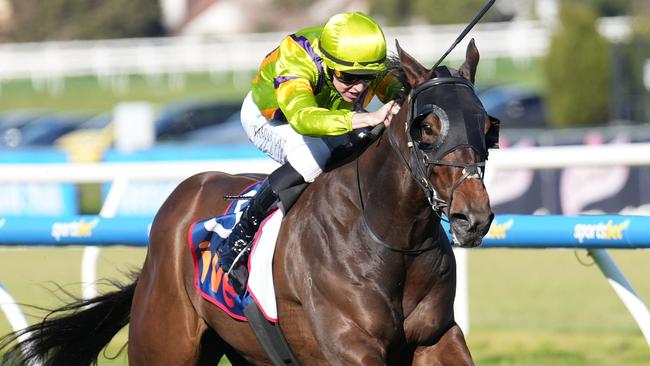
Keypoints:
pixel 353 43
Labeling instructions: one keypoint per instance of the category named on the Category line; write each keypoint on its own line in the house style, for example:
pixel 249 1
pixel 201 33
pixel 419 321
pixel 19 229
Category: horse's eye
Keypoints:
pixel 427 129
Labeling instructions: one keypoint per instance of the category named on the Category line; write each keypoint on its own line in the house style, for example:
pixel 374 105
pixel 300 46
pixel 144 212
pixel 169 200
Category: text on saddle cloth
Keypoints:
pixel 211 282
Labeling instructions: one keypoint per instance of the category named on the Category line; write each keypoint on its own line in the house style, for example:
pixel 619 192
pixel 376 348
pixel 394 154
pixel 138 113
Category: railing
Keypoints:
pixel 571 232
pixel 592 233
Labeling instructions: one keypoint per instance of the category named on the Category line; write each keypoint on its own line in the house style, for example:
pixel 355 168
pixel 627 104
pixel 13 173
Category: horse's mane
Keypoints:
pixel 394 66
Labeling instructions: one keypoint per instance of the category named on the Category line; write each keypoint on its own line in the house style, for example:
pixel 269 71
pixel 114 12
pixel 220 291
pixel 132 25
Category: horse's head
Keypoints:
pixel 448 134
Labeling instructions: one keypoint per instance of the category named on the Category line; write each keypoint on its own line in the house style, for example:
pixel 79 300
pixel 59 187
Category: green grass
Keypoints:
pixel 527 307
pixel 93 95
pixel 506 71
pixel 543 307
pixel 32 276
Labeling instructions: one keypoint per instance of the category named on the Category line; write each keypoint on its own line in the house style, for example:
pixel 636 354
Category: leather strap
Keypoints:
pixel 270 337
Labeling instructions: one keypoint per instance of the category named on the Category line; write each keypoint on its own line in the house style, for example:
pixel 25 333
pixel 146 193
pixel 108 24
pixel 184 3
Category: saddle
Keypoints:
pixel 358 141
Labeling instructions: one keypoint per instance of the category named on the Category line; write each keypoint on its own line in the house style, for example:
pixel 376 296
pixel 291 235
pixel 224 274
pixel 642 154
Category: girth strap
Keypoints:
pixel 270 337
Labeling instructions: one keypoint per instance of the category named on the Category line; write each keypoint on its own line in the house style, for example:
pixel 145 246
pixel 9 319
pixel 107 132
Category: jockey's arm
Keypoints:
pixel 304 115
pixel 371 119
pixel 296 99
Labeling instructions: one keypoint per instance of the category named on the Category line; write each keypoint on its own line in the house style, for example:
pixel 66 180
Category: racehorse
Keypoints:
pixel 364 272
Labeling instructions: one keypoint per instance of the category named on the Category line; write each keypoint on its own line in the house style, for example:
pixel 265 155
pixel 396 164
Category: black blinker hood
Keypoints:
pixel 461 114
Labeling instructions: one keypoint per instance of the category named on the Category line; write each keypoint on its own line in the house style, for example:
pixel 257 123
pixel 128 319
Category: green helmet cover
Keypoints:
pixel 353 42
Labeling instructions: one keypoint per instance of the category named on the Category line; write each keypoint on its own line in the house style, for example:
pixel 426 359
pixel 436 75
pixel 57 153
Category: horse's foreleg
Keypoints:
pixel 164 329
pixel 347 338
pixel 355 348
pixel 451 349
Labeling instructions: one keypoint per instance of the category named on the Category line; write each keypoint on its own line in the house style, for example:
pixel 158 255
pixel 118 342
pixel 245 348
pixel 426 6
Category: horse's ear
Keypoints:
pixel 468 68
pixel 415 73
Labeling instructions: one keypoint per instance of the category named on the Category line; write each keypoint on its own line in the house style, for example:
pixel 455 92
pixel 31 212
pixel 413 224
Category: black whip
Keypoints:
pixel 465 31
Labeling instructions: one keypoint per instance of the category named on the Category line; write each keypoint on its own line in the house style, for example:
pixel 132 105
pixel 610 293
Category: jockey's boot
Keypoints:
pixel 237 244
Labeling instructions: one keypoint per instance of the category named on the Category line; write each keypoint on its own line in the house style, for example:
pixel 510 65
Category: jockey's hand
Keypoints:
pixel 382 115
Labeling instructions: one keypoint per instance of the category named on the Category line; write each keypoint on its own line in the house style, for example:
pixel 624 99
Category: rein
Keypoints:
pixel 373 234
pixel 437 203
pixel 418 174
pixel 423 160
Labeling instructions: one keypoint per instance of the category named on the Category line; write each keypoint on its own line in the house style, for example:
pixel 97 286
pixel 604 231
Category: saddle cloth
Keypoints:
pixel 211 282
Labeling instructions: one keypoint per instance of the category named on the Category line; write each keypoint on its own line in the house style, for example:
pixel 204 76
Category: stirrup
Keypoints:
pixel 238 278
pixel 241 251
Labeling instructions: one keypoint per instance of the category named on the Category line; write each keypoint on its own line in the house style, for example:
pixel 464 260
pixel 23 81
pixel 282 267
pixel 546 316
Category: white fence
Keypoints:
pixel 175 55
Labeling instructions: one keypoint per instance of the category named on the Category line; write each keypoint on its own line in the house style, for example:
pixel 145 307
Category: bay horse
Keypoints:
pixel 364 272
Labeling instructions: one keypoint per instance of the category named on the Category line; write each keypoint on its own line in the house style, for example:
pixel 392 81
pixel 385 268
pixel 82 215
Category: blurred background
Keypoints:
pixel 555 73
pixel 133 81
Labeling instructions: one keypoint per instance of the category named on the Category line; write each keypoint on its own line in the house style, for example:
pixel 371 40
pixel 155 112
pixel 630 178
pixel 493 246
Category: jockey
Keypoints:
pixel 309 92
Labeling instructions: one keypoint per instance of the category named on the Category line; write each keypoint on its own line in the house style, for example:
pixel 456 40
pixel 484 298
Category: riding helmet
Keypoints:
pixel 353 43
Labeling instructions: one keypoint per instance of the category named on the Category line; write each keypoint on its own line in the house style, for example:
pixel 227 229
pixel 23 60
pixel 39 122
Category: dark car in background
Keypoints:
pixel 173 121
pixel 12 121
pixel 180 118
pixel 515 106
pixel 228 132
pixel 42 130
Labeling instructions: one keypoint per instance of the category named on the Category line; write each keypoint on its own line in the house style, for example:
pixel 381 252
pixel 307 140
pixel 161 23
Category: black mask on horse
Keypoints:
pixel 453 100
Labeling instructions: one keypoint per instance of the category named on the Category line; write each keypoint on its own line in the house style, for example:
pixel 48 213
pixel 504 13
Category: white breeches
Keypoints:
pixel 282 143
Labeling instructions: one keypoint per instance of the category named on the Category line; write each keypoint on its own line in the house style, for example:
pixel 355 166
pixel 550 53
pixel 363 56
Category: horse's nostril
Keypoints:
pixel 490 219
pixel 459 216
pixel 488 223
pixel 472 222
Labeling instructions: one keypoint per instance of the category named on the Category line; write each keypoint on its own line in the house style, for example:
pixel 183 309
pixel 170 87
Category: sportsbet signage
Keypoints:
pixel 604 231
pixel 555 231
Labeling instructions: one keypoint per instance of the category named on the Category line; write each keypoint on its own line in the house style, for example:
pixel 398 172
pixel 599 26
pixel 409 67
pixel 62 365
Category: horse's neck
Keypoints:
pixel 395 205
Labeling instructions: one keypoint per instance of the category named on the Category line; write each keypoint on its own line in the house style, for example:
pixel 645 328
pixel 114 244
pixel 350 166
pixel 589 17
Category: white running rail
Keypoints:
pixel 508 159
pixel 519 40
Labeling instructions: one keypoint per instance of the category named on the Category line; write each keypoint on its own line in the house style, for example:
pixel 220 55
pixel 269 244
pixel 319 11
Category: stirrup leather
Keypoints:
pixel 242 247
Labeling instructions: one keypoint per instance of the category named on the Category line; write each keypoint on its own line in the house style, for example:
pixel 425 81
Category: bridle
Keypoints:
pixel 454 134
pixel 425 156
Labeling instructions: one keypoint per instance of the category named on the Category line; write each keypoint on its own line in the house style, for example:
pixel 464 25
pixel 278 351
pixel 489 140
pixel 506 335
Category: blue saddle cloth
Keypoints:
pixel 205 237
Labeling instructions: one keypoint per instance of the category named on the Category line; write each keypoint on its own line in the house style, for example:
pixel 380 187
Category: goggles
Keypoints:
pixel 349 78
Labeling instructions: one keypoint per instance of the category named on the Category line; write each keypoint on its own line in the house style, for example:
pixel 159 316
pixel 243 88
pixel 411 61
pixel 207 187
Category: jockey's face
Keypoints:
pixel 350 90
